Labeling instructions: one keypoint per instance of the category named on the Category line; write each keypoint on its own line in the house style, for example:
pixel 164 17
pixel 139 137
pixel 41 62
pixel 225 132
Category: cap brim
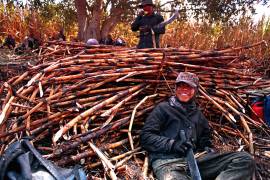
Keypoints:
pixel 187 82
pixel 141 5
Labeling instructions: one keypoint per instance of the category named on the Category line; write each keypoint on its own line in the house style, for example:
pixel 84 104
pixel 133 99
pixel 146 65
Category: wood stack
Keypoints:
pixel 87 105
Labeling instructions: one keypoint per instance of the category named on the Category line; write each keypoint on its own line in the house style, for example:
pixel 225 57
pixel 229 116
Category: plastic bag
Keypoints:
pixel 22 161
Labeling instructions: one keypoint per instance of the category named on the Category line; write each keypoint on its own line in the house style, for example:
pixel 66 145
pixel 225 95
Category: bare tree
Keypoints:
pixel 97 18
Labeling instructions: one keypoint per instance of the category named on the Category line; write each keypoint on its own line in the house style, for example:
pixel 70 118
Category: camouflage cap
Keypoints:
pixel 189 78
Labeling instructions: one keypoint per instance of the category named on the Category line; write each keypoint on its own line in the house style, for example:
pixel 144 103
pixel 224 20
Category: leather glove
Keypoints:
pixel 145 28
pixel 182 147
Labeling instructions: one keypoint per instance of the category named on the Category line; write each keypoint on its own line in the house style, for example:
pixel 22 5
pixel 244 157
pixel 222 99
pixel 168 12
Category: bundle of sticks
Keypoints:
pixel 87 105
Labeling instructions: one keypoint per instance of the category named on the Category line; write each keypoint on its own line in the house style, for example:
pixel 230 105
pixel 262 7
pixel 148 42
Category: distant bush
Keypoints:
pixel 22 21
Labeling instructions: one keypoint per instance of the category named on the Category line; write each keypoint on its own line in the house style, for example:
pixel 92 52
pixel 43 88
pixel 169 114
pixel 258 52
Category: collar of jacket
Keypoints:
pixel 153 14
pixel 174 102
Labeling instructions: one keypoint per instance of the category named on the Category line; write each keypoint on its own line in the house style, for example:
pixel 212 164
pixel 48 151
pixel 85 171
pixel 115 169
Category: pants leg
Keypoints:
pixel 170 170
pixel 227 166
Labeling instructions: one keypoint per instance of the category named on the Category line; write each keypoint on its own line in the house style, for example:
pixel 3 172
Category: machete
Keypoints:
pixel 163 24
pixel 192 164
pixel 170 20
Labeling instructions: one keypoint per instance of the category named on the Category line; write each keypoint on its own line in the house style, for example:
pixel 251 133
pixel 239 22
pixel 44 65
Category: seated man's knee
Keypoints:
pixel 171 175
pixel 247 159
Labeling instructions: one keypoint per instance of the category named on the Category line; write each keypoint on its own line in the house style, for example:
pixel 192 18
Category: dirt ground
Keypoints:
pixel 9 66
pixel 8 56
pixel 5 55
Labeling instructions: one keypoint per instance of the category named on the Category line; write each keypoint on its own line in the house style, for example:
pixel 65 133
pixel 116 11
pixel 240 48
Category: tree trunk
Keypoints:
pixel 89 26
pixel 94 24
pixel 111 22
pixel 82 18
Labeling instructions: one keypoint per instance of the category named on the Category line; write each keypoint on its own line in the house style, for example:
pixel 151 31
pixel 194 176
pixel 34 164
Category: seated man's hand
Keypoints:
pixel 208 149
pixel 182 147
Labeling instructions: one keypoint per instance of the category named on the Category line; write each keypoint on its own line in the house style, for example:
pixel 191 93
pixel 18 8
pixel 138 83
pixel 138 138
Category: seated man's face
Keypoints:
pixel 184 92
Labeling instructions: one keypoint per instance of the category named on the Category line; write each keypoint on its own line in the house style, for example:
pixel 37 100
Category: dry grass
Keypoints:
pixel 208 36
pixel 218 36
pixel 23 22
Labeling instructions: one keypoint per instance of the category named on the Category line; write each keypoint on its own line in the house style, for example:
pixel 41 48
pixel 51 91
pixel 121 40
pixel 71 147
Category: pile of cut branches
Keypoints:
pixel 87 105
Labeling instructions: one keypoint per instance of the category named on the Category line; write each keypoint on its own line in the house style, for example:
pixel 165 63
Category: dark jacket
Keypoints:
pixel 162 128
pixel 146 34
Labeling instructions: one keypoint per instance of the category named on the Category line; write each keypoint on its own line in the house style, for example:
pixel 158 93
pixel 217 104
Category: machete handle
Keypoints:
pixel 193 167
pixel 183 136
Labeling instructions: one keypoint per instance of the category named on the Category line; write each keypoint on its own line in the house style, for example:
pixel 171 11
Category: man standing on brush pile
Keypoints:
pixel 161 136
pixel 145 23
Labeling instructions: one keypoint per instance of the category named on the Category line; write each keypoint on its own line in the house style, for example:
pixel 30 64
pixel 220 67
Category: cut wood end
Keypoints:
pixel 106 113
pixel 58 135
pixel 232 118
pixel 2 117
pixel 6 85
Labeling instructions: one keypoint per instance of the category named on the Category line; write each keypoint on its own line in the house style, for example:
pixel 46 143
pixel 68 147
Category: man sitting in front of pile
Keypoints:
pixel 161 137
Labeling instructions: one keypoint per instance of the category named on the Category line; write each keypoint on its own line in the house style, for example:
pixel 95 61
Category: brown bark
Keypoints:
pixel 82 18
pixel 90 25
pixel 111 21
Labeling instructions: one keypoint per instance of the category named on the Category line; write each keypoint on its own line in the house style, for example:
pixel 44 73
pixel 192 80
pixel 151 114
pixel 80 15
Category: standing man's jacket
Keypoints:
pixel 148 22
pixel 163 125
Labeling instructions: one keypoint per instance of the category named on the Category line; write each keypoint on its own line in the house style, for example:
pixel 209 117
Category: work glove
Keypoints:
pixel 181 148
pixel 145 28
